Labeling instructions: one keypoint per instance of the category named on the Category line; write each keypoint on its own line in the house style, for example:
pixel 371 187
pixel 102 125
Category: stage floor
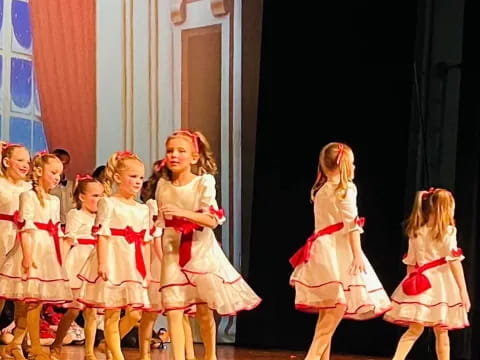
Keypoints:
pixel 223 353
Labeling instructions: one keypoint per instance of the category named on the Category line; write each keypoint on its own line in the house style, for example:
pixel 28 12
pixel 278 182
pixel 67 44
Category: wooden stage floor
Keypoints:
pixel 223 353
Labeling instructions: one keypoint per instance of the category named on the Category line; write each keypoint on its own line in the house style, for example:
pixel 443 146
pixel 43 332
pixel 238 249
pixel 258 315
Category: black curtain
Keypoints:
pixel 347 77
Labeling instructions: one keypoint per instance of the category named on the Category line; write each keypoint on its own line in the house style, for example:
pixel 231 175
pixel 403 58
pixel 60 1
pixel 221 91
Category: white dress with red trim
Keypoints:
pixel 78 227
pixel 195 269
pixel 126 227
pixel 430 295
pixel 9 202
pixel 155 263
pixel 48 282
pixel 321 275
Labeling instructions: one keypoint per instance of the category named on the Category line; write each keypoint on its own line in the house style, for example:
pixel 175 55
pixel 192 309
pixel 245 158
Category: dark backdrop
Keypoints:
pixel 342 73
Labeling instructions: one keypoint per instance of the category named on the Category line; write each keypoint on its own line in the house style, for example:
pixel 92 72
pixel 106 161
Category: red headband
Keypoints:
pixel 341 151
pixel 8 145
pixel 192 135
pixel 122 154
pixel 42 153
pixel 80 177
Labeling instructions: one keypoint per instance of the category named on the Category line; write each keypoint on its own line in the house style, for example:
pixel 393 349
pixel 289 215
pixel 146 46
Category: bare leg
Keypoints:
pixel 63 326
pixel 208 331
pixel 327 323
pixel 442 343
pixel 407 340
pixel 145 334
pixel 177 334
pixel 189 349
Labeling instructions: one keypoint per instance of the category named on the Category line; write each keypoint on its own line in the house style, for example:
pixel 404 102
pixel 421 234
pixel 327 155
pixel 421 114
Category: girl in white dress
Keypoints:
pixel 332 276
pixel 434 292
pixel 32 272
pixel 195 270
pixel 80 241
pixel 115 276
pixel 14 170
pixel 15 166
pixel 148 317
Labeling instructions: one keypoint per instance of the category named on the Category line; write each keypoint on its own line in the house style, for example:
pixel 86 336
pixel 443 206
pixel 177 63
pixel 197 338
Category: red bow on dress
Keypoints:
pixel 416 282
pixel 52 229
pixel 186 228
pixel 220 213
pixel 303 254
pixel 138 239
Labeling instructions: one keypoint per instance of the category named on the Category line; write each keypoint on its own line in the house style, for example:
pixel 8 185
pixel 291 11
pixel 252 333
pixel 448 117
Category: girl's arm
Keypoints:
pixel 457 270
pixel 201 219
pixel 358 265
pixel 157 247
pixel 102 257
pixel 147 259
pixel 26 244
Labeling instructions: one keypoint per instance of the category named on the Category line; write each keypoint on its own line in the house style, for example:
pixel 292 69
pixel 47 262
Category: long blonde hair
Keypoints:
pixel 38 162
pixel 334 156
pixel 115 164
pixel 435 206
pixel 7 150
pixel 206 162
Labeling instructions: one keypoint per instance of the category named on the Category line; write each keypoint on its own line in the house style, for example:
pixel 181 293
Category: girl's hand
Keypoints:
pixel 172 210
pixel 358 266
pixel 27 265
pixel 102 272
pixel 465 300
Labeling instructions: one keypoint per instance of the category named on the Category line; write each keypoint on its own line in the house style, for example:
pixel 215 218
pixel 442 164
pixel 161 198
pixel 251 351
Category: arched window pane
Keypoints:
pixel 21 85
pixel 22 33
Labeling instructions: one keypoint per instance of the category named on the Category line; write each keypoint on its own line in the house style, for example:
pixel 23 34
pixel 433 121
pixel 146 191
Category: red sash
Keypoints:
pixel 417 283
pixel 134 237
pixel 52 229
pixel 186 228
pixel 303 254
pixel 15 219
pixel 87 241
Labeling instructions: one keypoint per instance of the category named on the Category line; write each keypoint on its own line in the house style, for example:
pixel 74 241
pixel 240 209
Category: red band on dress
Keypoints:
pixel 186 228
pixel 134 237
pixel 417 283
pixel 52 229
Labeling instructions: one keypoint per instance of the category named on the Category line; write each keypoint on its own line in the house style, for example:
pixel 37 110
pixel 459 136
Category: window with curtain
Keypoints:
pixel 20 115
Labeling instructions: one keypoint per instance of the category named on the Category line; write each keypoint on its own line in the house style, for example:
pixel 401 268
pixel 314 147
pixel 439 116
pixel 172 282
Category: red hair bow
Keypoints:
pixel 42 153
pixel 426 194
pixel 341 151
pixel 122 154
pixel 7 145
pixel 159 165
pixel 80 177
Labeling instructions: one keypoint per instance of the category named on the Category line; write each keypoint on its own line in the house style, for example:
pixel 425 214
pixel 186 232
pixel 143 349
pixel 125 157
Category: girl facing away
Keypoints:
pixel 332 276
pixel 434 292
